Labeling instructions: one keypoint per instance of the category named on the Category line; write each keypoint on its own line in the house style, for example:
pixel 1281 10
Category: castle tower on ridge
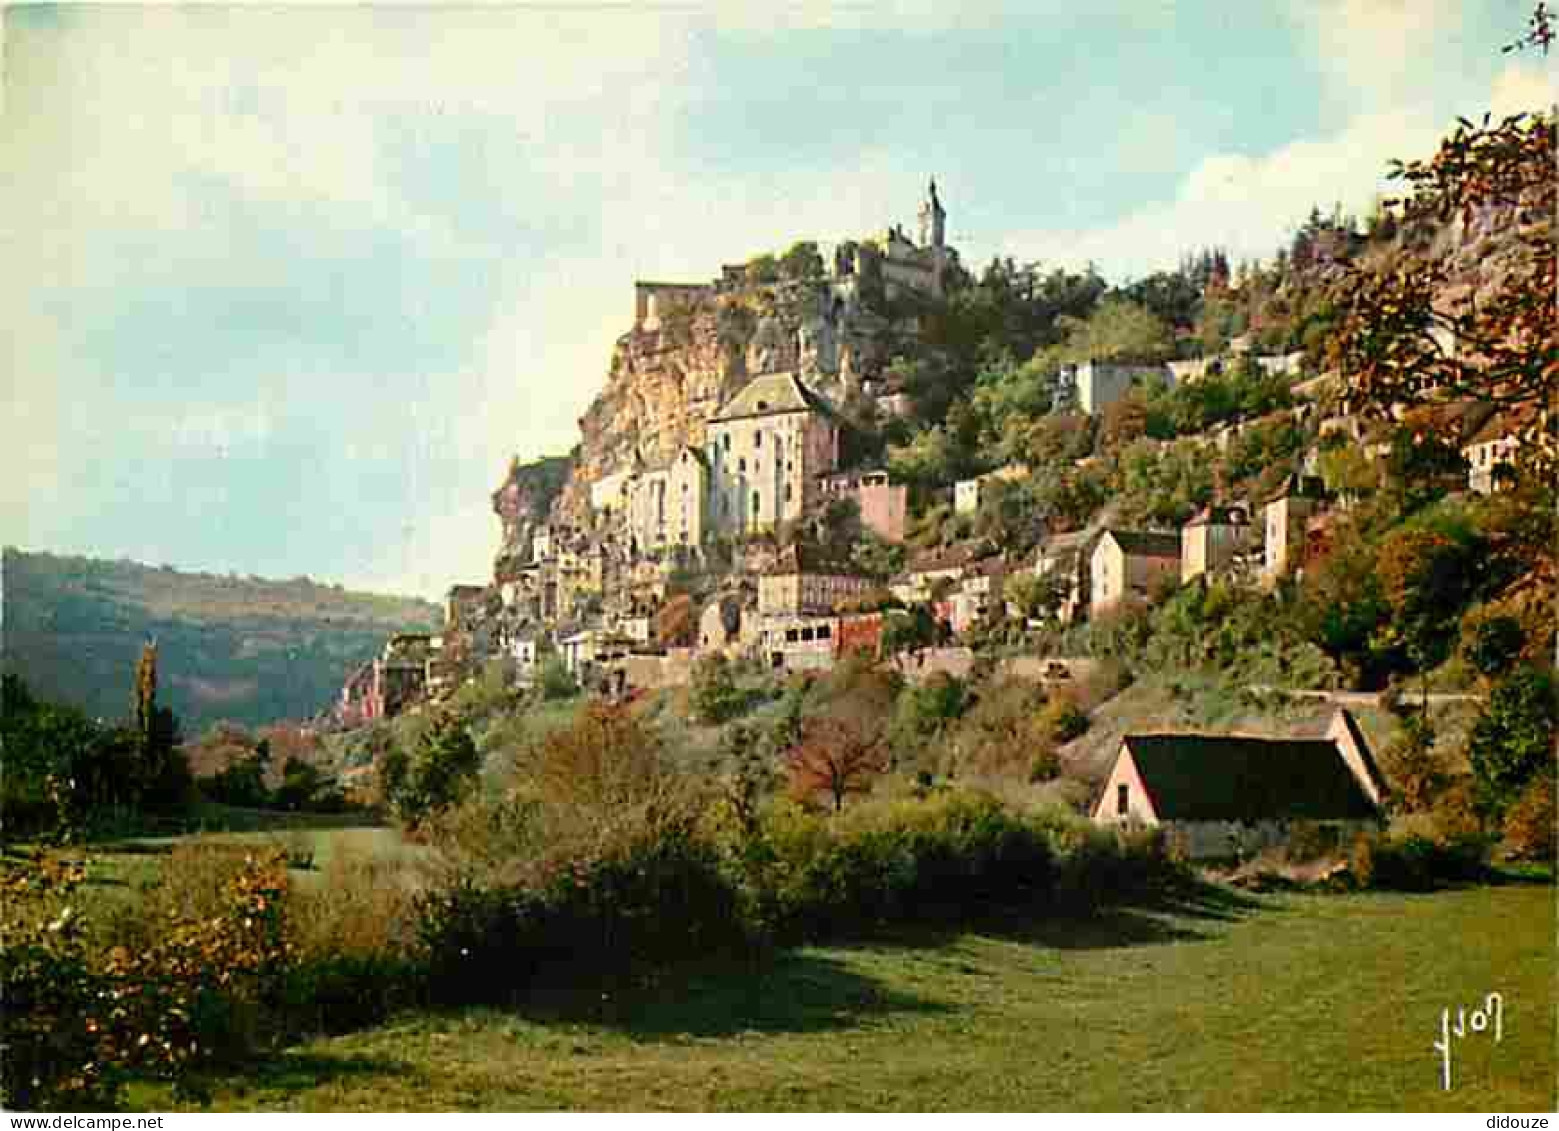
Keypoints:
pixel 933 219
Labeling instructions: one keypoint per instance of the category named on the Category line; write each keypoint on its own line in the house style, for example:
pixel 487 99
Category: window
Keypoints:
pixel 787 492
pixel 757 439
pixel 755 504
pixel 741 464
pixel 727 441
pixel 1122 802
pixel 825 631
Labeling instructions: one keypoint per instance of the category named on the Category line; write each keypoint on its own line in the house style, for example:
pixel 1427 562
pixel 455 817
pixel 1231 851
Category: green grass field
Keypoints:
pixel 1277 1003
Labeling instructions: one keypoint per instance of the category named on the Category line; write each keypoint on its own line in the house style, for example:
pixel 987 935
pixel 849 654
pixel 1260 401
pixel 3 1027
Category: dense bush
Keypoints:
pixel 693 888
pixel 1513 740
pixel 82 1020
pixel 1413 862
pixel 715 696
pixel 647 900
pixel 943 858
pixel 1530 823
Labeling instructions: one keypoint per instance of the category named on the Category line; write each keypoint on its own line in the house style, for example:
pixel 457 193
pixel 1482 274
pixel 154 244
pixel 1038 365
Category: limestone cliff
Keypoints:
pixel 522 502
pixel 673 370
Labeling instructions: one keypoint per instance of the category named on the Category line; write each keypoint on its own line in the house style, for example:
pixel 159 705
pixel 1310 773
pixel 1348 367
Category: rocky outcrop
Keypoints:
pixel 522 503
pixel 668 378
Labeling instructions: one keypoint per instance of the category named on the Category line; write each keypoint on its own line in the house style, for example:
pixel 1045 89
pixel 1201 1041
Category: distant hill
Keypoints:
pixel 244 649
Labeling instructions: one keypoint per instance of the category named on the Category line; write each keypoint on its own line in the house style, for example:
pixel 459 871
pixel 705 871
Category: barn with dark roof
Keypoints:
pixel 1228 795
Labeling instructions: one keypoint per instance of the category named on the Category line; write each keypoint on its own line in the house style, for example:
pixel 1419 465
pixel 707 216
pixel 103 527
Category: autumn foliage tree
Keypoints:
pixel 1420 325
pixel 836 757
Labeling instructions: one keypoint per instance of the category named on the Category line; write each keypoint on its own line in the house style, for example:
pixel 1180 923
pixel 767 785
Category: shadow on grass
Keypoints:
pixel 787 991
pixel 296 1071
pixel 1519 875
pixel 802 990
pixel 1170 914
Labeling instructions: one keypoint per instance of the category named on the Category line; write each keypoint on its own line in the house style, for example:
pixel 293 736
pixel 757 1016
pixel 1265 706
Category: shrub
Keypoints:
pixel 1416 772
pixel 78 1023
pixel 1491 643
pixel 942 858
pixel 1002 732
pixel 715 696
pixel 1513 739
pixel 648 900
pixel 1530 823
pixel 1063 720
pixel 437 775
pixel 1413 862
pixel 554 681
pixel 50 1049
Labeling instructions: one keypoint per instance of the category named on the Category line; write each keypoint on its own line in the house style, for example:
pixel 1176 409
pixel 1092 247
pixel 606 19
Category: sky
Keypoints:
pixel 286 287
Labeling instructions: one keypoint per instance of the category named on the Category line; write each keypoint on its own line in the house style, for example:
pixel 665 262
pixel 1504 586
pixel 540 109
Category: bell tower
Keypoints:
pixel 933 219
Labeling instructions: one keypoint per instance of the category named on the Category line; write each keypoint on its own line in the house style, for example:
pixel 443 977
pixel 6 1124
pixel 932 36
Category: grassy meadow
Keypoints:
pixel 1217 1001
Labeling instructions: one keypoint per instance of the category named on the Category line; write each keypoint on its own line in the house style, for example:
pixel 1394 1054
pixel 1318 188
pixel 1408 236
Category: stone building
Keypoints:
pixel 1490 453
pixel 899 264
pixel 1128 565
pixel 1286 513
pixel 883 505
pixel 802 582
pixel 1211 541
pixel 765 451
pixel 664 505
pixel 1066 560
pixel 653 301
pixel 1092 386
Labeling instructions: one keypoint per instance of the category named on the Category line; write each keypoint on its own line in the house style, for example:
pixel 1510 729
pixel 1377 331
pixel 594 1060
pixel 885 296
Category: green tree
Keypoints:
pixel 1492 643
pixel 554 680
pixel 801 261
pixel 715 696
pixel 1037 597
pixel 1513 740
pixel 1427 574
pixel 438 773
pixel 1397 312
pixel 1118 330
pixel 908 630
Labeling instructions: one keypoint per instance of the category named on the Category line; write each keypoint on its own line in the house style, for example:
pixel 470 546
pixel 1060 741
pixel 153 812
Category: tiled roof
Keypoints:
pixel 808 559
pixel 1146 543
pixel 949 557
pixel 1222 778
pixel 771 395
pixel 1299 486
pixel 1498 427
pixel 1220 516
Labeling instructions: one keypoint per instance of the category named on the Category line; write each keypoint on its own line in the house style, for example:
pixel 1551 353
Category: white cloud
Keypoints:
pixel 1250 204
pixel 1521 88
pixel 1246 204
pixel 1371 52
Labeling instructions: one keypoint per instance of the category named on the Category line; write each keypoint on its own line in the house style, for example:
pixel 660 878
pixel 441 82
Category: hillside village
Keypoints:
pixel 724 512
pixel 910 662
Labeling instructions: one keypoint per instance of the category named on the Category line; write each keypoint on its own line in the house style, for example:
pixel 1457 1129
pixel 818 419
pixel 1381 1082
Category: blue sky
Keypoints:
pixel 287 286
